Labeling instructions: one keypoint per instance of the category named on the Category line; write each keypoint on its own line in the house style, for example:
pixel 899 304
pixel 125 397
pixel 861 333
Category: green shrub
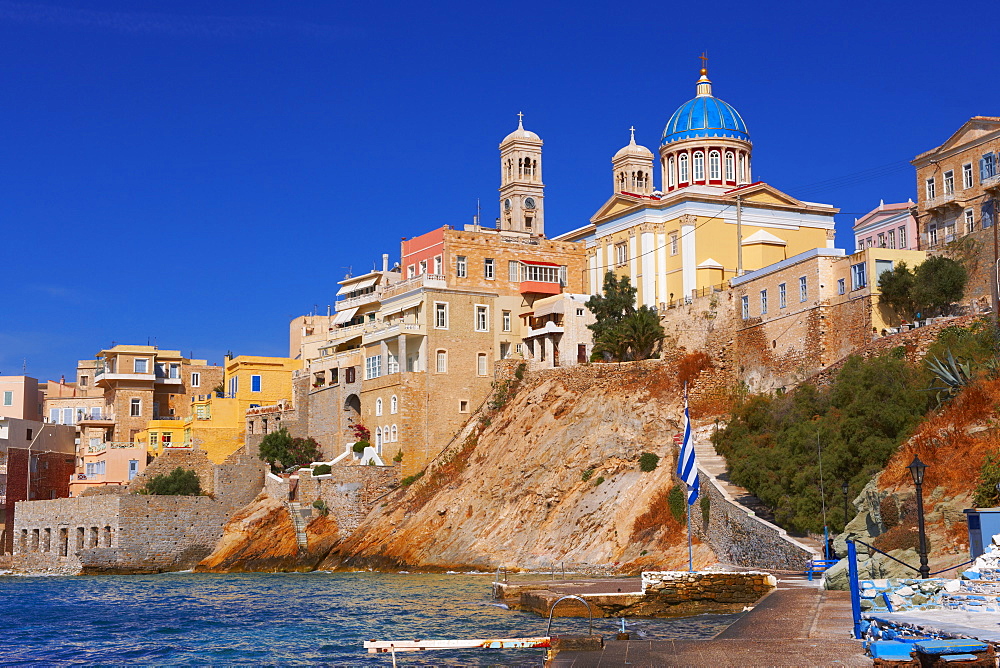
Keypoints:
pixel 322 469
pixel 410 479
pixel 179 482
pixel 676 501
pixel 360 446
pixel 986 494
pixel 587 475
pixel 598 481
pixel 320 505
pixel 398 457
pixel 519 371
pixel 648 462
pixel 706 508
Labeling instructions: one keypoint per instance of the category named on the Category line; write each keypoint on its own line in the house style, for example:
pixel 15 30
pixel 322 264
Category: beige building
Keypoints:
pixel 958 184
pixel 708 222
pixel 20 397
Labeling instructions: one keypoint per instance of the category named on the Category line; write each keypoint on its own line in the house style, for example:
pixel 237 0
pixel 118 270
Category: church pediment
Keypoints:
pixel 617 204
pixel 766 194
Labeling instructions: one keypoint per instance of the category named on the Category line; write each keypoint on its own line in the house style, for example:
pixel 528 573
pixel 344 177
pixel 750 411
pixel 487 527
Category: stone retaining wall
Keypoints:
pixel 348 491
pixel 678 587
pixel 740 538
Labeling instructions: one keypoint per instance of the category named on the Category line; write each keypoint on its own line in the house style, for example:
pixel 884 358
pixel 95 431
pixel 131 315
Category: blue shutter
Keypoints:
pixel 982 170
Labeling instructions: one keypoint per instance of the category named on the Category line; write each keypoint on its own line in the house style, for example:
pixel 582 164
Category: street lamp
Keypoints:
pixel 917 471
pixel 843 487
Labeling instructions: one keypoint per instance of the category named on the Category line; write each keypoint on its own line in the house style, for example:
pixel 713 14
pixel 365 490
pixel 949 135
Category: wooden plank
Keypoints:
pixel 382 646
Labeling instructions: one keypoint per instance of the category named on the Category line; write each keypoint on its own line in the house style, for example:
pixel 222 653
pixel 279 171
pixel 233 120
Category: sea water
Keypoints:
pixel 278 618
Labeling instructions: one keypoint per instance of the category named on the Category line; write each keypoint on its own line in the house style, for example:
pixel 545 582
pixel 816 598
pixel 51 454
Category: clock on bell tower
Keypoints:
pixel 522 192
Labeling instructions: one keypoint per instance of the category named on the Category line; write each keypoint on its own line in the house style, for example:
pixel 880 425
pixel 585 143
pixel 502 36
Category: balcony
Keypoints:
pixel 941 201
pixel 992 181
pixel 548 328
pixel 108 378
pixel 360 300
pixel 540 288
pixel 421 281
pixel 169 381
pixel 113 445
pixel 96 421
pixel 395 329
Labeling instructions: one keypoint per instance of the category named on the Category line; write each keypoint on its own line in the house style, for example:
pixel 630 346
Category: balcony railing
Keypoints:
pixel 429 280
pixel 940 200
pixel 360 300
pixel 113 445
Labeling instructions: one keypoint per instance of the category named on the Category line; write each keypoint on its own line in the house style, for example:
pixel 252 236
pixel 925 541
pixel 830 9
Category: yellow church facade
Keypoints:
pixel 709 221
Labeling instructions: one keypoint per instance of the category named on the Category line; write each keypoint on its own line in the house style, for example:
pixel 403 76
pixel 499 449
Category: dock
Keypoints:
pixel 798 624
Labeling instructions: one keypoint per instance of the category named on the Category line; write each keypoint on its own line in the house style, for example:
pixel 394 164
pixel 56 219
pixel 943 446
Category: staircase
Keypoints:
pixel 298 519
pixel 980 595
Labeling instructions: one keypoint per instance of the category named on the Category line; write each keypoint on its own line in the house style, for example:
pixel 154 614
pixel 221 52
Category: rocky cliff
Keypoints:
pixel 551 477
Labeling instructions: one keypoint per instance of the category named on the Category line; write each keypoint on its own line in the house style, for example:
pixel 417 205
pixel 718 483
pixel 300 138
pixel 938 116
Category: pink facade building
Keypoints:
pixel 20 398
pixel 888 226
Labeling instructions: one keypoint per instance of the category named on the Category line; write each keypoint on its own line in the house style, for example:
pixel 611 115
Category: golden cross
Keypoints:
pixel 704 60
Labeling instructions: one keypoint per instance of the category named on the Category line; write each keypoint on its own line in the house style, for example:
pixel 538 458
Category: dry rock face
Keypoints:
pixel 514 493
pixel 261 538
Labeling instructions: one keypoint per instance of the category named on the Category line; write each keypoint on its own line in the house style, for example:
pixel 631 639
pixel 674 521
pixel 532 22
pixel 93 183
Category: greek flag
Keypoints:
pixel 686 468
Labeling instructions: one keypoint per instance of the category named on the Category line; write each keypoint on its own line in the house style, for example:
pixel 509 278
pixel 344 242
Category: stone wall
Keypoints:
pixel 740 538
pixel 348 491
pixel 678 588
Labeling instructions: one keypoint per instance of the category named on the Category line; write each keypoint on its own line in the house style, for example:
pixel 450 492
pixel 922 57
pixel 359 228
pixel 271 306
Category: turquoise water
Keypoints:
pixel 280 618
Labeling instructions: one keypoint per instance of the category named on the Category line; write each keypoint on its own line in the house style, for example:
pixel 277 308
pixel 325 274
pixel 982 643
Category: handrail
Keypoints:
pixel 548 629
pixel 945 570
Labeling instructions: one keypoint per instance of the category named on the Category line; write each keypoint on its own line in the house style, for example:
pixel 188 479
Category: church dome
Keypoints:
pixel 521 133
pixel 704 116
pixel 633 150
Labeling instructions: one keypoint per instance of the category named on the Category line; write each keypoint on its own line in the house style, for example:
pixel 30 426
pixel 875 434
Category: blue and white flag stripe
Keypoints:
pixel 687 470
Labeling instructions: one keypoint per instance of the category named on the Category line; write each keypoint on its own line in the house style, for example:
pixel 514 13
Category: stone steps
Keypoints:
pixel 970 602
pixel 295 509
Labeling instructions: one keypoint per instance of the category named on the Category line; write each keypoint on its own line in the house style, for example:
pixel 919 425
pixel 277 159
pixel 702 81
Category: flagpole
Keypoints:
pixel 690 552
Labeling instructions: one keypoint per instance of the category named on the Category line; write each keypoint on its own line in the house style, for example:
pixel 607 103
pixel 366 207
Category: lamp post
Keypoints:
pixel 917 471
pixel 843 487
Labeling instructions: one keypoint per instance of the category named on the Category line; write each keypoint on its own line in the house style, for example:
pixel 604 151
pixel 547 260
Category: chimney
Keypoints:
pixel 62 379
pixel 385 262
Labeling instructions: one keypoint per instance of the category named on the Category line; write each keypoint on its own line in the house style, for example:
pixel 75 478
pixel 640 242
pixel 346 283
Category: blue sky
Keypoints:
pixel 197 174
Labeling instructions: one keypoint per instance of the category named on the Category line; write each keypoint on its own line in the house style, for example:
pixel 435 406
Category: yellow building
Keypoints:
pixel 218 420
pixel 708 223
pixel 160 435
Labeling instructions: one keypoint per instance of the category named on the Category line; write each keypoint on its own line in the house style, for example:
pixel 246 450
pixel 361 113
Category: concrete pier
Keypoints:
pixel 798 624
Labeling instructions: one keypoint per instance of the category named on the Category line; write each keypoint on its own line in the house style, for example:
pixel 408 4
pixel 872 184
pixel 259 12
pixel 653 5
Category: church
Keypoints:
pixel 708 222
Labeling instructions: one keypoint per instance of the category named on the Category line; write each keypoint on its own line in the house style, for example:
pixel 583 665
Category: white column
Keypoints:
pixel 633 265
pixel 648 273
pixel 594 273
pixel 661 267
pixel 689 264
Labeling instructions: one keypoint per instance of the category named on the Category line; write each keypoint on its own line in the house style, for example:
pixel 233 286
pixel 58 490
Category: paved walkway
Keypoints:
pixel 714 464
pixel 798 624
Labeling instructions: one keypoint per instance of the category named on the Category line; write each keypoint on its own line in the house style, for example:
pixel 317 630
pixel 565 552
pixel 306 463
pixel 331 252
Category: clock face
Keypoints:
pixel 529 202
pixel 506 205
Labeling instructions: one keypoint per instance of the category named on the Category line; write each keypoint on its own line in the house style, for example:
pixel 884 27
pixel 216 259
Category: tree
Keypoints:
pixel 282 451
pixel 641 332
pixel 896 291
pixel 938 282
pixel 179 482
pixel 610 308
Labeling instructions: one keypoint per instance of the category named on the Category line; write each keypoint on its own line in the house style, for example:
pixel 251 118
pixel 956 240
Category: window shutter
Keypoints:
pixel 982 169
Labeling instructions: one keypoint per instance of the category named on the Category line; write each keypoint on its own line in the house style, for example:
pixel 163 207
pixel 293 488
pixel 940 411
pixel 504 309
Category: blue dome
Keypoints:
pixel 704 116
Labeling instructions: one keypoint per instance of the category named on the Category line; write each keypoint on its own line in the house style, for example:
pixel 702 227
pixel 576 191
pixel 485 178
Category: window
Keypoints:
pixel 440 315
pixel 373 367
pixel 393 434
pixel 8 398
pixel 461 266
pixel 423 266
pixel 234 386
pixel 949 182
pixel 699 166
pixel 670 172
pixel 393 364
pixel 881 239
pixel 481 364
pixel 673 243
pixel 714 169
pixel 763 302
pixel 621 254
pixel 393 405
pixel 378 407
pixel 970 221
pixel 463 406
pixel 141 366
pixel 378 440
pixel 987 167
pixel 350 374
pixel 929 188
pixel 54 415
pixel 745 303
pixel 579 312
pixel 932 232
pixel 135 408
pixel 506 321
pixel 29 434
pixel 782 296
pixel 411 271
pixel 841 286
pixel 489 268
pixel 83 381
pixel 803 289
pixel 438 265
pixel 683 168
pixel 95 412
pixel 882 266
pixel 255 383
pixel 730 167
pixel 859 278
pixel 195 379
pixel 541 274
pixel 892 238
pixel 743 168
pixel 442 361
pixel 902 236
pixel 967 176
pixel 68 416
pixel 514 271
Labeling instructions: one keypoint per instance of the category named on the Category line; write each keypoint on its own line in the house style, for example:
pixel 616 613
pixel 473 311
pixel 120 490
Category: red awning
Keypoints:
pixel 540 264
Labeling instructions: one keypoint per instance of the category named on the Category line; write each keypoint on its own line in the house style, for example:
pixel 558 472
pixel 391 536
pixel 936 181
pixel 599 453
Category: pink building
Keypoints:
pixel 888 226
pixel 20 398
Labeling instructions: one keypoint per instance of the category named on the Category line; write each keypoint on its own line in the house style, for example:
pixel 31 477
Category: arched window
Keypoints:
pixel 621 182
pixel 640 180
pixel 730 167
pixel 534 168
pixel 378 440
pixel 670 172
pixel 393 405
pixel 714 171
pixel 682 176
pixel 394 434
pixel 378 406
pixel 699 166
pixel 743 168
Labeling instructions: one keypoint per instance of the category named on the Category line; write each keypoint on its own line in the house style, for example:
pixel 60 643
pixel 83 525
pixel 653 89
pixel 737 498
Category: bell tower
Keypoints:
pixel 522 192
pixel 632 169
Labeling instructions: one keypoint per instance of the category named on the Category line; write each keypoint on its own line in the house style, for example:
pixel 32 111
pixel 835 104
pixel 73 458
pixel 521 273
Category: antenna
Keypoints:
pixel 479 213
pixel 350 271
